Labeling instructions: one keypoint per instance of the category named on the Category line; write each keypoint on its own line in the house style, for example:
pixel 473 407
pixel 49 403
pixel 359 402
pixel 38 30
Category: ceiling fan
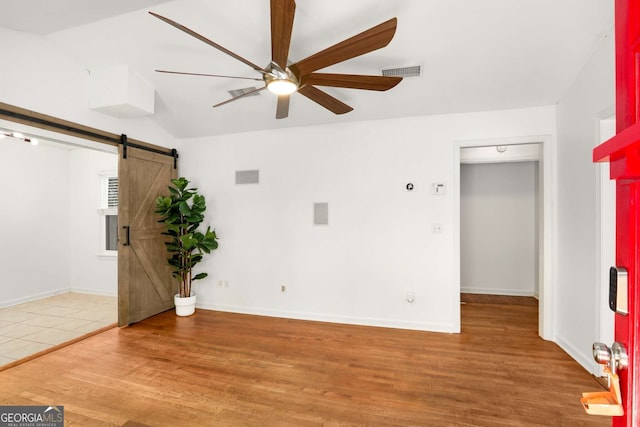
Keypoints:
pixel 284 78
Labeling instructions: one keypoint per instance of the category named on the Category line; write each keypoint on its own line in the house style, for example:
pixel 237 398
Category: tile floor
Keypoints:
pixel 34 326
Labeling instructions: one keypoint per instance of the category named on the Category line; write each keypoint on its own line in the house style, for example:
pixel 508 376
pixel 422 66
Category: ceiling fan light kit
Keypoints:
pixel 282 86
pixel 301 76
pixel 280 82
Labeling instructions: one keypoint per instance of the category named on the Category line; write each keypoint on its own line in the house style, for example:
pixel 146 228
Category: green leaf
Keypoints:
pixel 184 209
pixel 180 183
pixel 173 227
pixel 200 276
pixel 194 219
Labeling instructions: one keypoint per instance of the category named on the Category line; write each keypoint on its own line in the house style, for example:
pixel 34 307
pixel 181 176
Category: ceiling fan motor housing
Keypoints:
pixel 279 81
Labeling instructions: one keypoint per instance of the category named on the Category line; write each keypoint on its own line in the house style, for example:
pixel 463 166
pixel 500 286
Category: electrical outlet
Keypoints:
pixel 436 228
pixel 283 288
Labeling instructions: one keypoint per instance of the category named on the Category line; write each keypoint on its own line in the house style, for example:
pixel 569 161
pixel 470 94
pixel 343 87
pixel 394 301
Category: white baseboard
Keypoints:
pixel 490 291
pixel 94 292
pixel 583 356
pixel 319 317
pixel 28 298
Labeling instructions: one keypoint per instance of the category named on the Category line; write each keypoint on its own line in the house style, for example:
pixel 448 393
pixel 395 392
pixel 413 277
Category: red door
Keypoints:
pixel 623 152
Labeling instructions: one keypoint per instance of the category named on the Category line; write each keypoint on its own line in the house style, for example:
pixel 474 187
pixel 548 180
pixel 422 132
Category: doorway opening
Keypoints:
pixel 62 282
pixel 499 228
pixel 536 152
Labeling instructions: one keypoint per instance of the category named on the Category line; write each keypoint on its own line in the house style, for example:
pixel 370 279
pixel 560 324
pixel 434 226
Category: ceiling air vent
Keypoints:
pixel 412 71
pixel 238 92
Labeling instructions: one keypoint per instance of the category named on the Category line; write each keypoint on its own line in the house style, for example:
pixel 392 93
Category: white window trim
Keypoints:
pixel 103 211
pixel 103 236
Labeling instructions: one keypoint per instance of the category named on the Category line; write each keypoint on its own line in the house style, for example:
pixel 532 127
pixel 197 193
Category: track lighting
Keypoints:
pixel 19 136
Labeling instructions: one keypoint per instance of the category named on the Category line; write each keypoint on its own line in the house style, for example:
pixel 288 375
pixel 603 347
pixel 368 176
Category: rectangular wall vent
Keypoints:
pixel 248 177
pixel 412 71
pixel 321 214
pixel 238 92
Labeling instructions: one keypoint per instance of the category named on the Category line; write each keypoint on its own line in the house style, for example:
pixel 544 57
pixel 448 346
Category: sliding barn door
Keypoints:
pixel 145 284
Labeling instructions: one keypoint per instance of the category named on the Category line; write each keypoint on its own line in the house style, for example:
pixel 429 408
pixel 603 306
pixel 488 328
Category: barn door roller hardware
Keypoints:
pixel 126 143
pixel 123 142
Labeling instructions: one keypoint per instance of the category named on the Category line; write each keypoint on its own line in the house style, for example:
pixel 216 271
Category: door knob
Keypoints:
pixel 601 353
pixel 620 356
pixel 614 359
pixel 616 356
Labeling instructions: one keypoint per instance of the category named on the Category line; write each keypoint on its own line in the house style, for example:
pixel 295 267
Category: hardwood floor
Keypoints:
pixel 222 369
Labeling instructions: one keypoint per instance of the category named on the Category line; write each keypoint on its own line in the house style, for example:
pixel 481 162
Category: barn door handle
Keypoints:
pixel 127 236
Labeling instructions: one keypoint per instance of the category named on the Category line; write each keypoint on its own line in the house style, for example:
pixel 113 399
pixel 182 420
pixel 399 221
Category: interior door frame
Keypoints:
pixel 546 232
pixel 75 134
pixel 606 242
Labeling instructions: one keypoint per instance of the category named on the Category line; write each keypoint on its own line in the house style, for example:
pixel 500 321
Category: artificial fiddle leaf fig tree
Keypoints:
pixel 182 212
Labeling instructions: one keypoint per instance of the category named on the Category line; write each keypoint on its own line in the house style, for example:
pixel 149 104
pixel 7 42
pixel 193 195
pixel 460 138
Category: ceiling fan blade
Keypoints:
pixel 282 14
pixel 251 92
pixel 282 110
pixel 367 41
pixel 324 99
pixel 209 42
pixel 207 75
pixel 353 81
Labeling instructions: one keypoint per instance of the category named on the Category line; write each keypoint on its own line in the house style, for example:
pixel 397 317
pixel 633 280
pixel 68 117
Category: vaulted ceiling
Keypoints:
pixel 475 55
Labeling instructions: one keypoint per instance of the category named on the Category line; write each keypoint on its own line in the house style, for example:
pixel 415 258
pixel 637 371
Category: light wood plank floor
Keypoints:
pixel 222 369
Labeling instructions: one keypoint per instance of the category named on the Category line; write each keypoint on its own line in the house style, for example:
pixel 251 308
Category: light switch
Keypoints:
pixel 438 188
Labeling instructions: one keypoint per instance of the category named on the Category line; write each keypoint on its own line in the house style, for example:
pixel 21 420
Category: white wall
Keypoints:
pixel 34 221
pixel 89 272
pixel 36 76
pixel 378 245
pixel 577 241
pixel 498 228
pixel 49 222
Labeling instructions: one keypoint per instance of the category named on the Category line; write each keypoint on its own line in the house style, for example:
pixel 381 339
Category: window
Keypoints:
pixel 109 214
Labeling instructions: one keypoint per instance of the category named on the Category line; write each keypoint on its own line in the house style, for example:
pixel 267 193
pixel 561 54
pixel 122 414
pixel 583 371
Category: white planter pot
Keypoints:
pixel 185 306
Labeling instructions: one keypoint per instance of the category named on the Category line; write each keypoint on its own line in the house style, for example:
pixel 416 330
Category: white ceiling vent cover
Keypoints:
pixel 412 71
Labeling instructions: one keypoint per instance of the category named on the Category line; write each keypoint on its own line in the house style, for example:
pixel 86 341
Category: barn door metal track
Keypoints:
pixel 41 121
